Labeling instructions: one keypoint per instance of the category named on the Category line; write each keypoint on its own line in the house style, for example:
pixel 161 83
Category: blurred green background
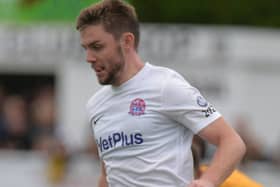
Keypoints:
pixel 236 12
pixel 41 10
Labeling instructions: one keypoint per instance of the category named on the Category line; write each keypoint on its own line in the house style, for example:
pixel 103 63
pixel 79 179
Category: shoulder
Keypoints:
pixel 97 97
pixel 168 75
pixel 175 83
pixel 171 82
pixel 161 69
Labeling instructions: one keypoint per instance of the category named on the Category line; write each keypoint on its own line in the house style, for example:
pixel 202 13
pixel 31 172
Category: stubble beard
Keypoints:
pixel 115 71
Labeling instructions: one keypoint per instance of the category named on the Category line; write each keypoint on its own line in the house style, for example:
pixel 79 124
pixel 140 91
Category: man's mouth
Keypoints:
pixel 98 69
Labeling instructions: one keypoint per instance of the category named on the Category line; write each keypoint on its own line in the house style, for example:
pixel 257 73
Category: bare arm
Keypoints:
pixel 230 150
pixel 102 179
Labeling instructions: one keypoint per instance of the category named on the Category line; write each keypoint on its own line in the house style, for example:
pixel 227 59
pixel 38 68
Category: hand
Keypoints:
pixel 201 183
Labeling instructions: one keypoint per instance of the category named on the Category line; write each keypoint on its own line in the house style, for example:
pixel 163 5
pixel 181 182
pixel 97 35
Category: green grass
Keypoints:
pixel 44 10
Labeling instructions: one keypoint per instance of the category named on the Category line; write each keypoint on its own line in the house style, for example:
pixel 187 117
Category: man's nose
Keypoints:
pixel 90 57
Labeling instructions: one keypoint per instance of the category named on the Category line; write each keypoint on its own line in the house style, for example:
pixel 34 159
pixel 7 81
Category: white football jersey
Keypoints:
pixel 144 128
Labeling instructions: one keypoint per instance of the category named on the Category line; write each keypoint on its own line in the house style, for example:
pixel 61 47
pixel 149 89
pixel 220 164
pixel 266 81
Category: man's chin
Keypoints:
pixel 103 82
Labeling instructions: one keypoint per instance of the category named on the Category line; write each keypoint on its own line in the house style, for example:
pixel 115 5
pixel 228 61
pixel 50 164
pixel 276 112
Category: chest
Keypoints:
pixel 126 114
pixel 129 121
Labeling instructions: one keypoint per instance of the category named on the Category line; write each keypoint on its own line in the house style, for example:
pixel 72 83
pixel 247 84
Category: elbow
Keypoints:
pixel 241 147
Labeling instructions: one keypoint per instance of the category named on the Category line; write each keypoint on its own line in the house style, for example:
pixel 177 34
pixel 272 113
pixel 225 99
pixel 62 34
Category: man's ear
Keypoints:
pixel 127 41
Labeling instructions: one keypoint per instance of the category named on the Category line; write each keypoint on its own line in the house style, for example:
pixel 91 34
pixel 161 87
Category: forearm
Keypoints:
pixel 102 181
pixel 227 156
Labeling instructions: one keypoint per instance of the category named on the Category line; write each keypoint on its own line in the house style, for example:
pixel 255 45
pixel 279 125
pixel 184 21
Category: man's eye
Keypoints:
pixel 96 47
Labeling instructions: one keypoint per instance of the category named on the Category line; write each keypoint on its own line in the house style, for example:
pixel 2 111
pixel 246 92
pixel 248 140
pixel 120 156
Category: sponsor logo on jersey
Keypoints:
pixel 97 119
pixel 137 107
pixel 201 101
pixel 210 110
pixel 119 139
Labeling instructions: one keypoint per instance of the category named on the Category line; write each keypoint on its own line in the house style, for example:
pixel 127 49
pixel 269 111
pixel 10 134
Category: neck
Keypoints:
pixel 132 65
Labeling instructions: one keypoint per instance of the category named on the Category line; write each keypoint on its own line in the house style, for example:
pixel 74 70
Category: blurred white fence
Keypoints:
pixel 237 69
pixel 29 169
pixel 20 169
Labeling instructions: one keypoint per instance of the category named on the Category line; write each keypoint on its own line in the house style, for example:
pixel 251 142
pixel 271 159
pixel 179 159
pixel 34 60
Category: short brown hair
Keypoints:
pixel 116 16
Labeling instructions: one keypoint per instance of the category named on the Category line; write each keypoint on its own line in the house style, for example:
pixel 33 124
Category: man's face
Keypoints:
pixel 103 52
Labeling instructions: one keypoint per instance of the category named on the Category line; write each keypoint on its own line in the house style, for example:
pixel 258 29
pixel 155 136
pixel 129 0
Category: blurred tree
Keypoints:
pixel 241 12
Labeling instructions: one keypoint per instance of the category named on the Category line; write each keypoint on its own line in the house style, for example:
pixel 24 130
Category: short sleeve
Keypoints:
pixel 185 104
